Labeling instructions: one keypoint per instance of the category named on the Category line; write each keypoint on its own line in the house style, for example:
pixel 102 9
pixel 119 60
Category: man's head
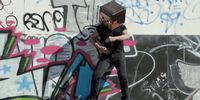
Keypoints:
pixel 112 15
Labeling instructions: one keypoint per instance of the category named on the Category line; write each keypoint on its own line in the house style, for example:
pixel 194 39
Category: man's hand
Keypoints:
pixel 103 49
pixel 110 39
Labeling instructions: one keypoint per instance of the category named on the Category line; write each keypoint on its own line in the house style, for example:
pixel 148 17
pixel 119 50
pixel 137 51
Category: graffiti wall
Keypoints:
pixel 46 54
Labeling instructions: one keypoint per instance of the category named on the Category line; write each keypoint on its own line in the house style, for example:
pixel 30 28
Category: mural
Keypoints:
pixel 46 54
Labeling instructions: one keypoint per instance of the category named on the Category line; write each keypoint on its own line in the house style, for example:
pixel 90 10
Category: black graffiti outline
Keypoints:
pixel 29 18
pixel 16 21
pixel 75 8
pixel 2 5
pixel 55 18
pixel 6 21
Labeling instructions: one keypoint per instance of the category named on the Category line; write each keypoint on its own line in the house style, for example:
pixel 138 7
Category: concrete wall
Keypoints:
pixel 45 52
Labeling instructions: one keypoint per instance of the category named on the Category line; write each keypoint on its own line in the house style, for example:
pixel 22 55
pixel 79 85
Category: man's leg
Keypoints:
pixel 122 75
pixel 99 71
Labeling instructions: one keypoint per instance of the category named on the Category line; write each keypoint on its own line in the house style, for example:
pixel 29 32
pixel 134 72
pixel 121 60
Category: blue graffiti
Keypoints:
pixel 146 12
pixel 82 67
pixel 83 88
pixel 5 69
pixel 170 19
pixel 24 84
pixel 170 1
pixel 142 12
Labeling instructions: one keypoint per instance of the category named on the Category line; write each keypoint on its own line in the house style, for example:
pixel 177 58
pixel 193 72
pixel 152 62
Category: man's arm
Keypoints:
pixel 97 44
pixel 122 37
pixel 93 39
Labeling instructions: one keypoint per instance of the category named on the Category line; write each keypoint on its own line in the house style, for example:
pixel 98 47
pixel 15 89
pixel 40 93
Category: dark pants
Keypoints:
pixel 106 63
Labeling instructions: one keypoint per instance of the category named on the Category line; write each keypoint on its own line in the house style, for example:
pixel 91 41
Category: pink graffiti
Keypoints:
pixel 42 60
pixel 129 43
pixel 31 41
pixel 10 22
pixel 24 52
pixel 114 89
pixel 1 22
pixel 81 43
pixel 71 86
pixel 63 29
pixel 31 54
pixel 52 49
pixel 114 72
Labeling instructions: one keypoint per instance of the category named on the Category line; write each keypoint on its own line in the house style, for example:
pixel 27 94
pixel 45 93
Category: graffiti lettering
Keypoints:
pixel 39 22
pixel 4 4
pixel 170 19
pixel 10 21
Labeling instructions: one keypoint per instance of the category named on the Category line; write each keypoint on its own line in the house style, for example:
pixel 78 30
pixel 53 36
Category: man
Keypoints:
pixel 108 39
